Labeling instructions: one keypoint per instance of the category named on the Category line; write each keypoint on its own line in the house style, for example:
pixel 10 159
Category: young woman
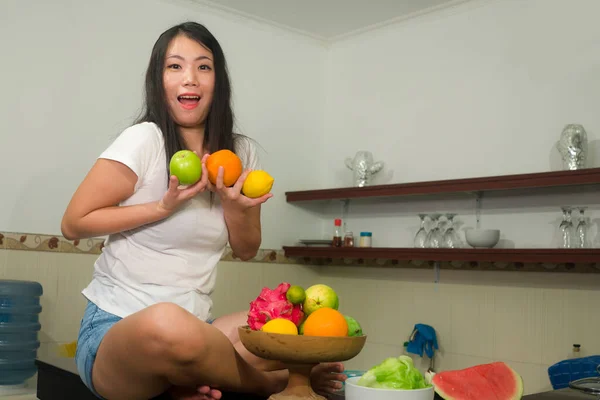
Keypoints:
pixel 147 328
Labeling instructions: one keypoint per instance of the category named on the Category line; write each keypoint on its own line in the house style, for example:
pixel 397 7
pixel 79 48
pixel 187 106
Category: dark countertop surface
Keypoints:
pixel 566 394
pixel 563 394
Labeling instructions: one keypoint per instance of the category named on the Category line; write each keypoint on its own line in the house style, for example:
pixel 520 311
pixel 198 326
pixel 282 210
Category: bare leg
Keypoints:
pixel 325 377
pixel 228 324
pixel 146 353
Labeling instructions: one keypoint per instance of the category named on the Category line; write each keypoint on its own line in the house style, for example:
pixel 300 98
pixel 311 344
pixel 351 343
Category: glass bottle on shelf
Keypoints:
pixel 349 239
pixel 337 233
pixel 365 239
pixel 576 351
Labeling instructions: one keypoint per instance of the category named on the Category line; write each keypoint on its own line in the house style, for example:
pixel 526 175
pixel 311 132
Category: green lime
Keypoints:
pixel 296 294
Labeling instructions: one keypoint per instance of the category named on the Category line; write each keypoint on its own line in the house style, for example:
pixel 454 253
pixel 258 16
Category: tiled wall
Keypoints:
pixel 64 275
pixel 529 320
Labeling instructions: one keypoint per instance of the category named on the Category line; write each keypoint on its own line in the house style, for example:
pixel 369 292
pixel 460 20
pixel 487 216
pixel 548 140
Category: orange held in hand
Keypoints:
pixel 231 164
pixel 326 322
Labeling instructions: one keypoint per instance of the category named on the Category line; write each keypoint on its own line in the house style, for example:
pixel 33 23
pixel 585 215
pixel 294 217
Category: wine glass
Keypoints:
pixel 451 239
pixel 434 237
pixel 566 229
pixel 581 239
pixel 421 236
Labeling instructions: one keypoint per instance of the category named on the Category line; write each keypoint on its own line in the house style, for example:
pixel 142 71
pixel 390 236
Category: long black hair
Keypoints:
pixel 218 130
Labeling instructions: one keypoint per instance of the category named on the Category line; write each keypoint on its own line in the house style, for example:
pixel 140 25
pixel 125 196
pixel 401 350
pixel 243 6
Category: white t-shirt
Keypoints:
pixel 173 260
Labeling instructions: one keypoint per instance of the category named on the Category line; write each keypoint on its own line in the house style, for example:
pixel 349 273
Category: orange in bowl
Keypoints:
pixel 325 322
pixel 231 164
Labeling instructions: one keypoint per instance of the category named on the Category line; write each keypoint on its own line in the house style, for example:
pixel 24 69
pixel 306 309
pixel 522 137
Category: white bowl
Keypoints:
pixel 482 237
pixel 355 392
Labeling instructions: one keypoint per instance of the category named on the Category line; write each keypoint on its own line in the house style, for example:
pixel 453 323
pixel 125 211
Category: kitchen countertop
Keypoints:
pixel 28 392
pixel 566 394
pixel 563 394
pixel 68 364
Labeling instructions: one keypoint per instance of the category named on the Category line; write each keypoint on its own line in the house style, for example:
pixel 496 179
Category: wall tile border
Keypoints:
pixel 93 246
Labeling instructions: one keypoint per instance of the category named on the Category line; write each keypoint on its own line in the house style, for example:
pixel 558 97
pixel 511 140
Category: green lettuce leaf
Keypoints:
pixel 394 373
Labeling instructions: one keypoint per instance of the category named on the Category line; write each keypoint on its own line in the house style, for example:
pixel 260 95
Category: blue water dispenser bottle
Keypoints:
pixel 19 327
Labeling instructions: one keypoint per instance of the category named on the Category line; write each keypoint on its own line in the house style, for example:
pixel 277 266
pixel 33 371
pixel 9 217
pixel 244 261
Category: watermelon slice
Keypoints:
pixel 495 381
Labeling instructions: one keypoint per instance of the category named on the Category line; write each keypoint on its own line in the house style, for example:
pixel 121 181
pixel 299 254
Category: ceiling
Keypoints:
pixel 329 19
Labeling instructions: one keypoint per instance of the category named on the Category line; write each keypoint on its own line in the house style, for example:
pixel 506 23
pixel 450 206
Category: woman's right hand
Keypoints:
pixel 176 196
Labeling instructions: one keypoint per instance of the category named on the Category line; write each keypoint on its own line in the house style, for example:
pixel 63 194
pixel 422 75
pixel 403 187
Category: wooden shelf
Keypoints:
pixel 551 256
pixel 589 176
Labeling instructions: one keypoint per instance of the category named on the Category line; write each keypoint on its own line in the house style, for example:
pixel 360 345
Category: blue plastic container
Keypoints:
pixel 19 326
pixel 351 373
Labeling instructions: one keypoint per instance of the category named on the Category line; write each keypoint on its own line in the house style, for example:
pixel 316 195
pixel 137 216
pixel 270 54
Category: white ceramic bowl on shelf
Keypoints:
pixel 354 392
pixel 482 238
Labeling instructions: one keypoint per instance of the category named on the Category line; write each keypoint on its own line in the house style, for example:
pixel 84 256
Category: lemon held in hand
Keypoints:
pixel 257 184
pixel 280 325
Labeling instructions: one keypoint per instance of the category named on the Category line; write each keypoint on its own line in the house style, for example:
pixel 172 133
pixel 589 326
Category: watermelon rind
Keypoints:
pixel 473 383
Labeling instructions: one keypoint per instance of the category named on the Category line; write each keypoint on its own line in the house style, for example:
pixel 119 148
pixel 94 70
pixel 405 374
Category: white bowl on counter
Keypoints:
pixel 354 392
pixel 482 238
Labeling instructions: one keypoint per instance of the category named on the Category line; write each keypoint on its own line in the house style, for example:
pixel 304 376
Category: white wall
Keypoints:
pixel 72 80
pixel 484 88
pixel 479 89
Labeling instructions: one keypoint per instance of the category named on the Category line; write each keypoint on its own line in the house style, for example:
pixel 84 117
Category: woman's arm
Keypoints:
pixel 244 231
pixel 242 216
pixel 94 209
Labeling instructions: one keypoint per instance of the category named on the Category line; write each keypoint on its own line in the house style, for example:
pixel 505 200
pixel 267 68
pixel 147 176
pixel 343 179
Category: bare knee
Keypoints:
pixel 172 333
pixel 228 324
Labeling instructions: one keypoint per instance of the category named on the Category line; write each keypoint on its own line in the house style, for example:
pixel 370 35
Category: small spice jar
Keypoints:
pixel 365 239
pixel 349 239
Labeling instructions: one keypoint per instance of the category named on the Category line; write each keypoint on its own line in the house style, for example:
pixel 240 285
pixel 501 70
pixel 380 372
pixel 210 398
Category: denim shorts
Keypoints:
pixel 94 325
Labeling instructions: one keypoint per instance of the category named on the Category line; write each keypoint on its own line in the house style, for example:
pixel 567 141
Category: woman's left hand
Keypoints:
pixel 232 197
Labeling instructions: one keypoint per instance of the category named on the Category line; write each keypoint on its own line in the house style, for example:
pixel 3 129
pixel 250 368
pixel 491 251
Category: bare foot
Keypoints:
pixel 326 378
pixel 194 393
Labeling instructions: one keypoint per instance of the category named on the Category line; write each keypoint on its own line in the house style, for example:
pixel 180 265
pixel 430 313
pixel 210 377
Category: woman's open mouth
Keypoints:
pixel 189 101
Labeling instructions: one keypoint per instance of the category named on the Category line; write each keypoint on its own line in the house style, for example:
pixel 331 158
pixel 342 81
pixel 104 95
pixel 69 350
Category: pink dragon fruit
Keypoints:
pixel 271 304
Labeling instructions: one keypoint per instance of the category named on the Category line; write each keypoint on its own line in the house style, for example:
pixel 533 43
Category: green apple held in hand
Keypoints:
pixel 186 166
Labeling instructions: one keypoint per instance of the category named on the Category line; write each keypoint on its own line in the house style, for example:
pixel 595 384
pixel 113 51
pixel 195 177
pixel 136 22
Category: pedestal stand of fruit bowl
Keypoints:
pixel 300 354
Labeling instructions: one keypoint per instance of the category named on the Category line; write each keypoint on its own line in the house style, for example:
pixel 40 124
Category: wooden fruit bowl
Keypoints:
pixel 300 354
